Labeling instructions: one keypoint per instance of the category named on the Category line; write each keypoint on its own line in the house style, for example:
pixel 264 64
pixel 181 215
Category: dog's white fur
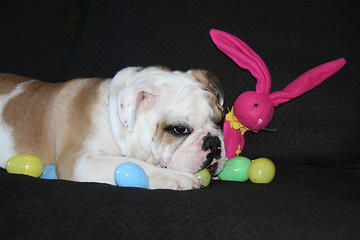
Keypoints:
pixel 87 127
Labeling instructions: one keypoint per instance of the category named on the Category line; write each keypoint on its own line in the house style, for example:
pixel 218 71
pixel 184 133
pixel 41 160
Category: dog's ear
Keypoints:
pixel 211 83
pixel 134 98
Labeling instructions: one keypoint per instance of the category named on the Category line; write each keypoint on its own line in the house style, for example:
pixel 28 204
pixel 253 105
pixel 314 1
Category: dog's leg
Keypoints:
pixel 102 168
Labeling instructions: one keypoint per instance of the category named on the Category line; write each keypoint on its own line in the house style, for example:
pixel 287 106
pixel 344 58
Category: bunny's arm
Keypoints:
pixel 233 136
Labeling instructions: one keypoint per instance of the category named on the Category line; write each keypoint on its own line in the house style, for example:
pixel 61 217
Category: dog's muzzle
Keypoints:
pixel 213 144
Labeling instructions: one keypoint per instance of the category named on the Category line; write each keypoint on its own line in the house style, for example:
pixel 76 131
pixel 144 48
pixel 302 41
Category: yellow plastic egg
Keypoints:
pixel 26 164
pixel 204 177
pixel 261 170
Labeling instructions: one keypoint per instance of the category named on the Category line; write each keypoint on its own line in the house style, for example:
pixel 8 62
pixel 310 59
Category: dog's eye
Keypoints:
pixel 180 130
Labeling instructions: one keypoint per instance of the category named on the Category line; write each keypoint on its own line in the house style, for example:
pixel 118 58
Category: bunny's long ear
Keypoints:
pixel 307 81
pixel 243 56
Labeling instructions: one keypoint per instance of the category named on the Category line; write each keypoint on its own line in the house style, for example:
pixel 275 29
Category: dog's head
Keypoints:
pixel 171 118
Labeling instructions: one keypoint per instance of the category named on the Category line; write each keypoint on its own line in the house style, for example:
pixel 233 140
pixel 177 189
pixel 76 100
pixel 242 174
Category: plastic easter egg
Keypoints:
pixel 129 174
pixel 49 172
pixel 262 170
pixel 204 177
pixel 236 169
pixel 26 164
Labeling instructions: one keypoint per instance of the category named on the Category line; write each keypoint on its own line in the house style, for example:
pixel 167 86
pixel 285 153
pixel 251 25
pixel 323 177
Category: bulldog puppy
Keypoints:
pixel 165 121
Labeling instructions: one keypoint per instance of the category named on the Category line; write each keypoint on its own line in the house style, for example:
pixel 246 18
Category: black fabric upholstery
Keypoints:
pixel 316 191
pixel 303 202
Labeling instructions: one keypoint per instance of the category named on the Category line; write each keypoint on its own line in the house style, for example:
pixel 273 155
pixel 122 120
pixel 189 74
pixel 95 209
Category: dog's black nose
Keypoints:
pixel 213 144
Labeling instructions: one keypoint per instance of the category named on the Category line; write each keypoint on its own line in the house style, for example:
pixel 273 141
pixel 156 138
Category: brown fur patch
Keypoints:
pixel 77 118
pixel 52 120
pixel 213 85
pixel 208 79
pixel 27 114
pixel 163 137
pixel 161 68
pixel 9 81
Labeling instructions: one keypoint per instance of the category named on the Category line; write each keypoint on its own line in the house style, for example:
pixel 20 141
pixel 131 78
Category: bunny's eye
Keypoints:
pixel 255 105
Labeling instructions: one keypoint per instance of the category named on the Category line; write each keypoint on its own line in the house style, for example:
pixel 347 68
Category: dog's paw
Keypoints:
pixel 170 179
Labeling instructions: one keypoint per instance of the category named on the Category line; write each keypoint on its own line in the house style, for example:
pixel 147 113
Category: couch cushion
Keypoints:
pixel 303 202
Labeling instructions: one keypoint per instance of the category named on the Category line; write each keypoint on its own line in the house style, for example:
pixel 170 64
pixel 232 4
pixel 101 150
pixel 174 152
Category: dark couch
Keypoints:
pixel 316 147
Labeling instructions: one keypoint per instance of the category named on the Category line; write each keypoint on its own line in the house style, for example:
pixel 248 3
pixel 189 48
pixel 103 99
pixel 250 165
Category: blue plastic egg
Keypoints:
pixel 129 174
pixel 49 172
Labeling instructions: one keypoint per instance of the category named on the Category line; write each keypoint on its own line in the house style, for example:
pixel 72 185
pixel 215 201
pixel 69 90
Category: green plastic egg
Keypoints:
pixel 204 177
pixel 236 169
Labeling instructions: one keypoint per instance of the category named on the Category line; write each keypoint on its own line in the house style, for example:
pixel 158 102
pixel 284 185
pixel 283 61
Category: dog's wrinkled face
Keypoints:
pixel 173 119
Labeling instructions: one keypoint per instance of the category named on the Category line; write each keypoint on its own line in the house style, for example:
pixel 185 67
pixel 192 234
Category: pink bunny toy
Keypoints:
pixel 253 110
